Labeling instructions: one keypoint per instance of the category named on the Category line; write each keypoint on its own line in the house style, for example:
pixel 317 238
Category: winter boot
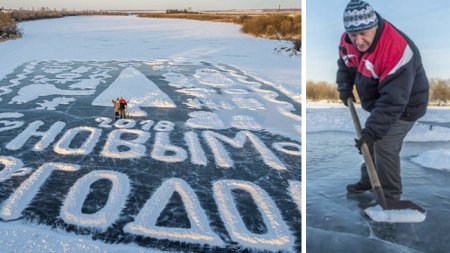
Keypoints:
pixel 359 187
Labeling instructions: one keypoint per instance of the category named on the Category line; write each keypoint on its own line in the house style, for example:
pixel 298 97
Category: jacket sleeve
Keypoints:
pixel 394 90
pixel 345 77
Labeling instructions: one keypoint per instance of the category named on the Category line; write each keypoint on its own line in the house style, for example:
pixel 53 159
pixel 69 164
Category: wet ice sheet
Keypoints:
pixel 334 216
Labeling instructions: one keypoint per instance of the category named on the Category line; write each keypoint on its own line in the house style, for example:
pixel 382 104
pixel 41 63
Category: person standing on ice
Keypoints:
pixel 386 68
pixel 116 105
pixel 123 105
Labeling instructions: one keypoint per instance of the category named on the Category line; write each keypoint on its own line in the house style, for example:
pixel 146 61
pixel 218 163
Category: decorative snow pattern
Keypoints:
pixel 206 160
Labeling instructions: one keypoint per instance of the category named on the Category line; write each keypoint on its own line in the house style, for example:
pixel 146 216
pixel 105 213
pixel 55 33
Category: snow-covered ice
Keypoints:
pixel 377 214
pixel 436 159
pixel 333 162
pixel 119 38
pixel 208 159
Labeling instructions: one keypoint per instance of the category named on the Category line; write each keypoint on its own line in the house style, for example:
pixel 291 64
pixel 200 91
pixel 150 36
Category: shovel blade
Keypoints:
pixel 396 211
pixel 403 204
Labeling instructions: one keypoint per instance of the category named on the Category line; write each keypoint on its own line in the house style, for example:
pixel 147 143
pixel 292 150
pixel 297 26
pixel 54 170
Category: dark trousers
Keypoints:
pixel 122 113
pixel 386 156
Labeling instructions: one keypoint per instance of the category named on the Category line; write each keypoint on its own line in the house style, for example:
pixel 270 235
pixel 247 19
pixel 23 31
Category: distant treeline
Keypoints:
pixel 8 27
pixel 285 26
pixel 185 11
pixel 273 26
pixel 44 13
pixel 315 91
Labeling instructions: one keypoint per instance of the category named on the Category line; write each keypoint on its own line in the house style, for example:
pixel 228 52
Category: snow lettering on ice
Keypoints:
pixel 199 232
pixel 189 127
pixel 62 146
pixel 47 137
pixel 278 236
pixel 136 147
pixel 22 196
pixel 221 155
pixel 102 219
pixel 11 167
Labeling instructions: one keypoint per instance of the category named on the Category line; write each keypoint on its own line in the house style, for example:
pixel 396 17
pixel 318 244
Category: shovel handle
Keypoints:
pixel 373 176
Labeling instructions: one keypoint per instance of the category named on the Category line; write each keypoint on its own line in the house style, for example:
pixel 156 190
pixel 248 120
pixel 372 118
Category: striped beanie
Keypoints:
pixel 359 16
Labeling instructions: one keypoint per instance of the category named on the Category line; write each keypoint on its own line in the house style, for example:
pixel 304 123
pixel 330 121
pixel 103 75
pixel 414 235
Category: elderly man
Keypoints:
pixel 386 68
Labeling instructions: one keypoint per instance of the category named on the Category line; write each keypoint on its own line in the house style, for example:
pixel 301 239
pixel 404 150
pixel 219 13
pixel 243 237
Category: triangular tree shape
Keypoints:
pixel 137 89
pixel 200 231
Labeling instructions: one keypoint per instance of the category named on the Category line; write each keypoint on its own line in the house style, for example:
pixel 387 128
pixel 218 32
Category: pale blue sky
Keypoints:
pixel 152 5
pixel 425 22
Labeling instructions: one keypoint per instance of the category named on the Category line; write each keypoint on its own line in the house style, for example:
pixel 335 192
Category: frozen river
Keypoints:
pixel 208 160
pixel 333 216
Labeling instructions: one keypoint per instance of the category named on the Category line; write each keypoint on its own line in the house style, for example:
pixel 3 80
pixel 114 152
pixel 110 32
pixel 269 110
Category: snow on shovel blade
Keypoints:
pixel 397 211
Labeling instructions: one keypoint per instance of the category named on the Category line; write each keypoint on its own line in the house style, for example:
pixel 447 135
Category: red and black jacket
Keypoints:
pixel 389 77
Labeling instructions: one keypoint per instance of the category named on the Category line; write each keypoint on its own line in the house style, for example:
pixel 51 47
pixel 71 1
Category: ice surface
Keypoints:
pixel 72 174
pixel 105 38
pixel 337 118
pixel 435 159
pixel 31 239
pixel 141 149
pixel 334 217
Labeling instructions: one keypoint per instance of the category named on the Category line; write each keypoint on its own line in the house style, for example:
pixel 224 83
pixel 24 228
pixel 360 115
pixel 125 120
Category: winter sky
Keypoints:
pixel 425 22
pixel 153 5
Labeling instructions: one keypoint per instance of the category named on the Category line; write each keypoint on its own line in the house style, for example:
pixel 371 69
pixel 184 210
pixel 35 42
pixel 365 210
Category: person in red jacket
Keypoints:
pixel 386 68
pixel 123 105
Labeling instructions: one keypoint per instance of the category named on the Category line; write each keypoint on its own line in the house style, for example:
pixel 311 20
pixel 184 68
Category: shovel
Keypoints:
pixel 374 181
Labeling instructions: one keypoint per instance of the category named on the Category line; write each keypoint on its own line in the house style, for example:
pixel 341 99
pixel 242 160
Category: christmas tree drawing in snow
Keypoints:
pixel 141 92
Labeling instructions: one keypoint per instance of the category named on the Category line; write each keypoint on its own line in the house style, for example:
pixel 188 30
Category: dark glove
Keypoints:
pixel 365 138
pixel 344 95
